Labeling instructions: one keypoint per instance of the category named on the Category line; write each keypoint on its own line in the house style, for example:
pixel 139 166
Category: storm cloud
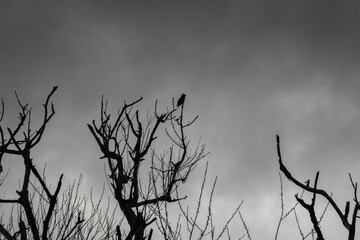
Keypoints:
pixel 251 70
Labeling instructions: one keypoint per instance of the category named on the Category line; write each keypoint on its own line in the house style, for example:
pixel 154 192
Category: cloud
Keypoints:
pixel 251 69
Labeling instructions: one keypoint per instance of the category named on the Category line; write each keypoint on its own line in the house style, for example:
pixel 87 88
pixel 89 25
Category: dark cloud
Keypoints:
pixel 251 69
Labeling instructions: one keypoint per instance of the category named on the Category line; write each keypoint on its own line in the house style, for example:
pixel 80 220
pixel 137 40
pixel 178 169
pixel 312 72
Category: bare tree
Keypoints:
pixel 344 216
pixel 42 213
pixel 128 144
pixel 20 142
pixel 143 176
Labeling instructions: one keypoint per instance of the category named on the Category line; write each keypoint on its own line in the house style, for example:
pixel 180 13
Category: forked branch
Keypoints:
pixel 133 142
pixel 350 226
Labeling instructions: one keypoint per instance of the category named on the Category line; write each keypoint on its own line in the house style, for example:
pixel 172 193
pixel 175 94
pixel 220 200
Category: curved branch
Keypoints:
pixel 323 193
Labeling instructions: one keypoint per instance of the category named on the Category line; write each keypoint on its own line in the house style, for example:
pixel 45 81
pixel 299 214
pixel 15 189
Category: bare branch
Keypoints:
pixel 314 190
pixel 132 139
pixel 2 110
pixel 310 189
pixel 5 233
pixel 311 209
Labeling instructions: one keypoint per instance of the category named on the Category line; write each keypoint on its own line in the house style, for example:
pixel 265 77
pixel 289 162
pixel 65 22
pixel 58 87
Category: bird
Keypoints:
pixel 181 100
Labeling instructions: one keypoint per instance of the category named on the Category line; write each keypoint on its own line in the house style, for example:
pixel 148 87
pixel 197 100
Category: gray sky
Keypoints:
pixel 251 70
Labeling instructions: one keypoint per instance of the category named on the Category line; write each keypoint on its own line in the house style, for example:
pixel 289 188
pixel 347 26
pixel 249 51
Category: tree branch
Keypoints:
pixel 310 189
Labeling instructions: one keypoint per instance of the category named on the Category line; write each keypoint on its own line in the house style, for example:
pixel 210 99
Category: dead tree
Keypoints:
pixel 349 222
pixel 20 142
pixel 128 144
pixel 41 215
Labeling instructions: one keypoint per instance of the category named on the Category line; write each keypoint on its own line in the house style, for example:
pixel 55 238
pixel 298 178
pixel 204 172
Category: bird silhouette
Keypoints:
pixel 181 100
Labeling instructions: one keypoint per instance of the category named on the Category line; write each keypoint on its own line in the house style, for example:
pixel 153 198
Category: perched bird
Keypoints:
pixel 181 100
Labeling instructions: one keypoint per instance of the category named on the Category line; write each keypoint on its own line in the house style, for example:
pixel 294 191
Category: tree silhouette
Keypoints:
pixel 41 214
pixel 148 157
pixel 21 146
pixel 128 143
pixel 343 215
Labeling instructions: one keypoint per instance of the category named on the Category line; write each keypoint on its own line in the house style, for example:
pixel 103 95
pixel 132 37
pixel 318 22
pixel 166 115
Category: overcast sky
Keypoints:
pixel 251 70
